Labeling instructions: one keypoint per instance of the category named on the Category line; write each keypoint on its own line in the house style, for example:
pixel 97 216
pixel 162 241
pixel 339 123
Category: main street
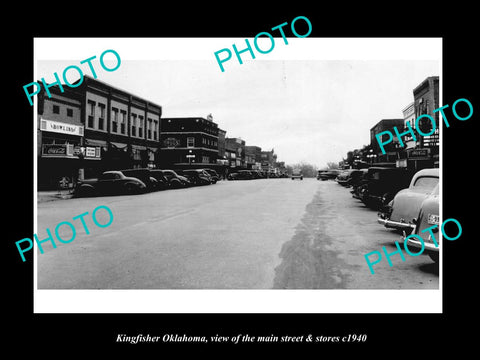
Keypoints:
pixel 256 234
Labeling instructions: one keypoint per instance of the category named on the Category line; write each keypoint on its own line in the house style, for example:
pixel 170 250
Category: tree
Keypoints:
pixel 332 165
pixel 308 170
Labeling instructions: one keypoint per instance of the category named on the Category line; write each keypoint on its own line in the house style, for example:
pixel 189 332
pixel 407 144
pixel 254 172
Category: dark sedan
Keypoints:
pixel 196 176
pixel 110 183
pixel 240 175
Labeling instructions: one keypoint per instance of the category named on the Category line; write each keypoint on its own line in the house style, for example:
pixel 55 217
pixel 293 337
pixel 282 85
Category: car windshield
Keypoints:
pixel 425 183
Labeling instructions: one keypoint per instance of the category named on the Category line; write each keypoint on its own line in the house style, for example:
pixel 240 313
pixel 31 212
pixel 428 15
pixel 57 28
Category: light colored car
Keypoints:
pixel 404 207
pixel 428 216
pixel 297 174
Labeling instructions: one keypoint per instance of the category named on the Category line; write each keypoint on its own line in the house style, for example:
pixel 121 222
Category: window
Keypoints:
pixel 190 142
pixel 425 183
pixel 56 109
pixel 155 130
pixel 70 112
pixel 114 120
pixel 149 128
pixel 101 118
pixel 140 126
pixel 91 113
pixel 123 121
pixel 134 124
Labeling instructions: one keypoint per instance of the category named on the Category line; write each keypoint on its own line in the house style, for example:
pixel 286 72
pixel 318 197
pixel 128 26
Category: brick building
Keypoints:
pixel 188 142
pixel 390 148
pixel 92 128
pixel 253 157
pixel 236 149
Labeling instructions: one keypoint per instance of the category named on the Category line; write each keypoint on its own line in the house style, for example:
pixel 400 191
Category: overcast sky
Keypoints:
pixel 307 110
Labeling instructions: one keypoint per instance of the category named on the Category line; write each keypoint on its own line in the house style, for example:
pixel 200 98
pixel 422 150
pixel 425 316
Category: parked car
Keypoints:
pixel 196 177
pixel 399 212
pixel 382 184
pixel 256 174
pixel 359 184
pixel 329 174
pixel 175 181
pixel 162 181
pixel 428 216
pixel 346 177
pixel 240 175
pixel 297 174
pixel 213 174
pixel 145 176
pixel 110 183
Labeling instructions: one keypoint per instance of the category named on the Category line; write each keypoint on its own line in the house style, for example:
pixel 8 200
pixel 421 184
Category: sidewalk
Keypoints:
pixel 44 196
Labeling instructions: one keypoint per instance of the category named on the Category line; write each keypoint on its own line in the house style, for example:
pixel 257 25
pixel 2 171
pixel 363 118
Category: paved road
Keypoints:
pixel 259 234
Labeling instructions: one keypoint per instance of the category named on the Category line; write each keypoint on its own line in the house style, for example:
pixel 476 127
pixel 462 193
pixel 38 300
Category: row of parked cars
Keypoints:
pixel 406 200
pixel 253 174
pixel 136 181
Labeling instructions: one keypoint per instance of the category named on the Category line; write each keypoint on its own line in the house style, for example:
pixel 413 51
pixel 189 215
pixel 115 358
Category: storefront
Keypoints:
pixel 58 161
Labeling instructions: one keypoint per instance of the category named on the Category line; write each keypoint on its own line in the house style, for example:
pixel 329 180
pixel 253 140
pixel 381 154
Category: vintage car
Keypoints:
pixel 174 180
pixel 349 176
pixel 428 216
pixel 240 175
pixel 329 174
pixel 213 174
pixel 196 177
pixel 407 202
pixel 297 174
pixel 145 176
pixel 381 184
pixel 109 183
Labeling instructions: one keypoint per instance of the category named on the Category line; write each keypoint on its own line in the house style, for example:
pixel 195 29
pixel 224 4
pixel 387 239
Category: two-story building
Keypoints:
pixel 91 128
pixel 188 142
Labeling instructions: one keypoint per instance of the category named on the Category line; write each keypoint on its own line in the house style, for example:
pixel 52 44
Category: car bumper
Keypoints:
pixel 394 224
pixel 414 243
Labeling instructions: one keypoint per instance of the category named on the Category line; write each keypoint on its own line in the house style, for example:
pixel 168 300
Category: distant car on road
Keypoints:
pixel 110 183
pixel 297 174
pixel 404 207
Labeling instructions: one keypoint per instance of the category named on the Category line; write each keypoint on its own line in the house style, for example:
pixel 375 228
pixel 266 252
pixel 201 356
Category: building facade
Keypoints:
pixel 236 150
pixel 188 142
pixel 269 158
pixel 253 156
pixel 92 128
pixel 391 154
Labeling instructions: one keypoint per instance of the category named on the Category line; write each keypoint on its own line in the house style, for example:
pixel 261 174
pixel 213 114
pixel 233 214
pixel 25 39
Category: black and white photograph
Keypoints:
pixel 171 174
pixel 240 179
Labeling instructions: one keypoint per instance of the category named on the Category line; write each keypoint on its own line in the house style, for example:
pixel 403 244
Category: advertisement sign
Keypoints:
pixel 62 128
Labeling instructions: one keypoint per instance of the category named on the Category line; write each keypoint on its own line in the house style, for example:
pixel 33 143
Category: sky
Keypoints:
pixel 307 108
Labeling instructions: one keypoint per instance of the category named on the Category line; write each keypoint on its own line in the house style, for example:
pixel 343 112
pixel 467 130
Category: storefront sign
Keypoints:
pixel 171 142
pixel 62 128
pixel 418 153
pixel 57 150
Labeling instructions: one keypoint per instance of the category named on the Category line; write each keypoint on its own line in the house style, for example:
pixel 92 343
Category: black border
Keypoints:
pixel 86 332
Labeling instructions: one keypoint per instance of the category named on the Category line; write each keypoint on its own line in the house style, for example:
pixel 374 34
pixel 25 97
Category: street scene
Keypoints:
pixel 279 174
pixel 255 234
